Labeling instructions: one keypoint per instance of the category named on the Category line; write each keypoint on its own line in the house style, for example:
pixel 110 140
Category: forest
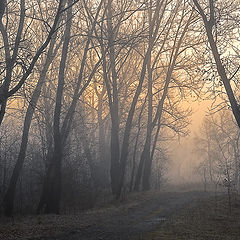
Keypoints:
pixel 95 96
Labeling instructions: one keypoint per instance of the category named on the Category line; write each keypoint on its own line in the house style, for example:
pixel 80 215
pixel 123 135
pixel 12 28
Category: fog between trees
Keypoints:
pixel 93 93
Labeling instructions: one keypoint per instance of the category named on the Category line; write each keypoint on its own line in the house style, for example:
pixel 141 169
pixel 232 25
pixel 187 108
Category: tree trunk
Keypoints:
pixel 10 194
pixel 5 93
pixel 134 160
pixel 220 67
pixel 51 194
pixel 115 147
pixel 148 161
pixel 144 156
pixel 103 163
pixel 153 31
pixel 52 182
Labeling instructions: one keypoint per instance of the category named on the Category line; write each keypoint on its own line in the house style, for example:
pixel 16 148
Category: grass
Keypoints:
pixel 208 220
pixel 28 227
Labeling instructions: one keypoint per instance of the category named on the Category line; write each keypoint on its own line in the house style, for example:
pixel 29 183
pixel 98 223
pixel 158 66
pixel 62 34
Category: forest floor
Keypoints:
pixel 190 215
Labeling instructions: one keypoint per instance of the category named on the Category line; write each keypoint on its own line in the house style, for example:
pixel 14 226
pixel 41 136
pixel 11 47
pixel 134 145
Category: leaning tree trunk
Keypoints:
pixel 148 161
pixel 144 155
pixel 146 152
pixel 209 24
pixel 153 31
pixel 8 201
pixel 11 60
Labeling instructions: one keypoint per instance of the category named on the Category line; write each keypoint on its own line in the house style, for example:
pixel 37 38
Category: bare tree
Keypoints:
pixel 9 197
pixel 210 23
pixel 144 170
pixel 14 59
pixel 51 193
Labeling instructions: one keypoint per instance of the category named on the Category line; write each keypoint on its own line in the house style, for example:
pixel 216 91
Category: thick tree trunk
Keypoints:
pixel 134 161
pixel 94 173
pixel 133 178
pixel 115 147
pixel 51 194
pixel 103 161
pixel 114 170
pixel 146 183
pixel 52 191
pixel 144 155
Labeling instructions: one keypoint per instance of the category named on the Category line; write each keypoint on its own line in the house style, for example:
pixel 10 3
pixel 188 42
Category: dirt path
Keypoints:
pixel 134 221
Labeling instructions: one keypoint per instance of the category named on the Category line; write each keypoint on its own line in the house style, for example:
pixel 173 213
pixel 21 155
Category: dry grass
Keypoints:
pixel 29 227
pixel 208 220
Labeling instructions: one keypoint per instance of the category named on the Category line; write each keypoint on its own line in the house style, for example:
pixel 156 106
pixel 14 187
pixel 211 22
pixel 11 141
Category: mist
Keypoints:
pixel 119 119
